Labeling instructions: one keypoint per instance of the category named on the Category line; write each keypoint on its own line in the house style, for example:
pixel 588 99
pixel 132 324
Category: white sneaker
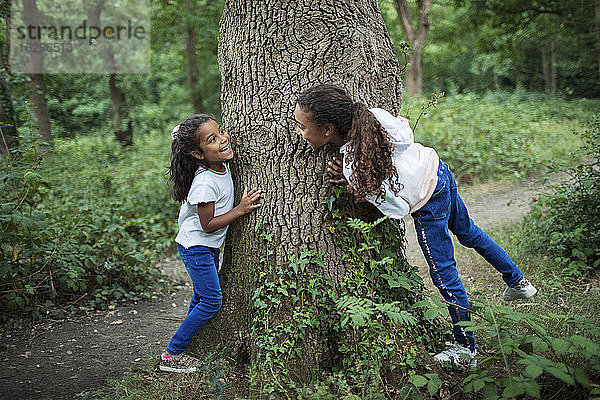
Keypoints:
pixel 523 290
pixel 179 363
pixel 457 356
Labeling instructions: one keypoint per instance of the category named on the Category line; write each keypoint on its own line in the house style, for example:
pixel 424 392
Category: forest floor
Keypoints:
pixel 68 358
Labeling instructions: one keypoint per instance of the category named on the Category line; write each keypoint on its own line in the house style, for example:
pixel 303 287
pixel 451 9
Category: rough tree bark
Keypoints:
pixel 37 85
pixel 269 51
pixel 418 36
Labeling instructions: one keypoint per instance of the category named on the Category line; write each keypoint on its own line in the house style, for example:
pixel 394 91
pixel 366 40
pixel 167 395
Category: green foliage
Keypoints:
pixel 566 221
pixel 148 382
pixel 530 358
pixel 84 226
pixel 372 331
pixel 500 134
pixel 483 45
pixel 78 104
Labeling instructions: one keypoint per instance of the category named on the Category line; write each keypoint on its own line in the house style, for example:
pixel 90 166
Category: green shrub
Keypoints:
pixel 566 222
pixel 501 134
pixel 82 225
pixel 523 358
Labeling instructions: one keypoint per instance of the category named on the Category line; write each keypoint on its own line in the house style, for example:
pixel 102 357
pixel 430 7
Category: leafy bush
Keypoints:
pixel 501 134
pixel 533 361
pixel 566 222
pixel 82 225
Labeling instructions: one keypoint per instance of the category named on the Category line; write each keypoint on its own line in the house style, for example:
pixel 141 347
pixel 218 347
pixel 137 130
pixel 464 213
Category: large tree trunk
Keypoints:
pixel 37 85
pixel 414 73
pixel 269 51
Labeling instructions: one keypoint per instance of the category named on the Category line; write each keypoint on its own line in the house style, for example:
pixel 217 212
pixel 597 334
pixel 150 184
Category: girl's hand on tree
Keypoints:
pixel 247 202
pixel 336 171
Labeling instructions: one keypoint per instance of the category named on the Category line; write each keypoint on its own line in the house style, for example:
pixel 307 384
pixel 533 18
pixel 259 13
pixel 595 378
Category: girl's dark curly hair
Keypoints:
pixel 183 164
pixel 369 147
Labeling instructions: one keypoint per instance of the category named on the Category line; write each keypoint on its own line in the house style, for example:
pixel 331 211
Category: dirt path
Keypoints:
pixel 68 358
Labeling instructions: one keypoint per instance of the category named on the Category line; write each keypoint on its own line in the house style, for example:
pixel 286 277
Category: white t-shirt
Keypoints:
pixel 208 186
pixel 416 164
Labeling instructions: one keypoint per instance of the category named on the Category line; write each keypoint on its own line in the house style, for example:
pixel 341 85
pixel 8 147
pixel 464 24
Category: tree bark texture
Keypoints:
pixel 269 52
pixel 37 85
pixel 414 73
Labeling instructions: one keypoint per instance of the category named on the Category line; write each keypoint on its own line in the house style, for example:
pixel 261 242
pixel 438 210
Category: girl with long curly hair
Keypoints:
pixel 201 182
pixel 382 164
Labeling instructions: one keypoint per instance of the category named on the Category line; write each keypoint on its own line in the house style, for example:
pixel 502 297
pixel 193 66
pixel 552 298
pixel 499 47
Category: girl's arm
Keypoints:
pixel 210 223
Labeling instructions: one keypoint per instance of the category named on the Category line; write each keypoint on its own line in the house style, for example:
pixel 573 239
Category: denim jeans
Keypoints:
pixel 201 264
pixel 445 212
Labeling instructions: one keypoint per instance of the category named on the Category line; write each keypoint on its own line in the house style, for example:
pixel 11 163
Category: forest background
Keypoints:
pixel 81 151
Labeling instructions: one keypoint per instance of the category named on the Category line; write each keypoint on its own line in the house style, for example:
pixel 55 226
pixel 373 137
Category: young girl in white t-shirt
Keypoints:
pixel 383 165
pixel 202 184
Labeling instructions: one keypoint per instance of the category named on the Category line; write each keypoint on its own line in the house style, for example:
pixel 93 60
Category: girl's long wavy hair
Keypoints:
pixel 369 147
pixel 183 164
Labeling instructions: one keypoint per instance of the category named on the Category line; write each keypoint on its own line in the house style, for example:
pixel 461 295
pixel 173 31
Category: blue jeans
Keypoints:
pixel 445 212
pixel 201 263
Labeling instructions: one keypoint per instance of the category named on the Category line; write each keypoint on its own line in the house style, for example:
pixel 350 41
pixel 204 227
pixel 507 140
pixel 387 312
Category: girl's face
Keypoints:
pixel 305 126
pixel 214 144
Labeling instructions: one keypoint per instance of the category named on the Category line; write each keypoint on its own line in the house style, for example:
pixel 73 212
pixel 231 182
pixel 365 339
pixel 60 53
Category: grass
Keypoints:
pixel 501 135
pixel 558 294
pixel 149 383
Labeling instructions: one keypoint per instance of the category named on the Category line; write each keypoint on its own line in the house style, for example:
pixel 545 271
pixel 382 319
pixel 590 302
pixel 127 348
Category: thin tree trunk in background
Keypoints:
pixel 518 62
pixel 545 69
pixel 117 96
pixel 414 73
pixel 6 141
pixel 7 112
pixel 37 85
pixel 597 6
pixel 191 66
pixel 553 72
pixel 270 51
